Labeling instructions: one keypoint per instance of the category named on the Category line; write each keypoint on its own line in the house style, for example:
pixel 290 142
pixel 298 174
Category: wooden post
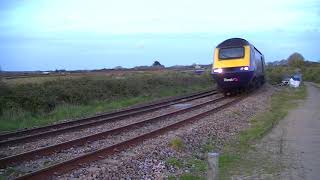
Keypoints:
pixel 213 166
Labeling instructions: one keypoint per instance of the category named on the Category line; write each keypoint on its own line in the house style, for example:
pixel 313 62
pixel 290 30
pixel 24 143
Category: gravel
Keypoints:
pixel 148 160
pixel 109 140
pixel 47 141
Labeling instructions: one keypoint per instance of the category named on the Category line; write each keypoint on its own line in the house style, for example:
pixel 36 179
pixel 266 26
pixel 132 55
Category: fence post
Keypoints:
pixel 213 166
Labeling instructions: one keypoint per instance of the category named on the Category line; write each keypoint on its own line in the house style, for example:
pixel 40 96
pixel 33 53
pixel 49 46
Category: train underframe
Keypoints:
pixel 238 82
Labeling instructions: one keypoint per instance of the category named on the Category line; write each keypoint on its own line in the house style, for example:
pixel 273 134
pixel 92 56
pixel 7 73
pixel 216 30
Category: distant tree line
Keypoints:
pixel 296 60
pixel 279 70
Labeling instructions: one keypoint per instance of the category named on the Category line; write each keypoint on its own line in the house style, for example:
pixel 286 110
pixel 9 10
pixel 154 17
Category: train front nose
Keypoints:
pixel 233 80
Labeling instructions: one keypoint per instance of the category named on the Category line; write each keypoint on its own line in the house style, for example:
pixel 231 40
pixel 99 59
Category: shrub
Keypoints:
pixel 311 74
pixel 276 74
pixel 45 97
pixel 175 162
pixel 177 144
pixel 296 60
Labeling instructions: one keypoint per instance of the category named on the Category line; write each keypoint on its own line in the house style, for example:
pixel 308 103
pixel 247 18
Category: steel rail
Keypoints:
pixel 32 137
pixel 77 162
pixel 104 115
pixel 14 159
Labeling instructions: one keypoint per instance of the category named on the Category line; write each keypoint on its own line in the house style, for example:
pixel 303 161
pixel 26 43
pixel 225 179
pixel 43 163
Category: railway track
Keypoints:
pixel 56 129
pixel 58 147
pixel 101 153
pixel 116 146
pixel 31 154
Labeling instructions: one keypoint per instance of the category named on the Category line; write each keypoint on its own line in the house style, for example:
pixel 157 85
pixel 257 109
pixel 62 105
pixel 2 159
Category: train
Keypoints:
pixel 237 66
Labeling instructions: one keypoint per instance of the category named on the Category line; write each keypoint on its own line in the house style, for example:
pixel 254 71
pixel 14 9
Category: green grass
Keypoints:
pixel 12 120
pixel 231 160
pixel 187 176
pixel 174 162
pixel 18 119
pixel 233 157
pixel 190 176
pixel 39 79
pixel 197 165
pixel 317 85
pixel 208 147
pixel 10 171
pixel 277 73
pixel 177 144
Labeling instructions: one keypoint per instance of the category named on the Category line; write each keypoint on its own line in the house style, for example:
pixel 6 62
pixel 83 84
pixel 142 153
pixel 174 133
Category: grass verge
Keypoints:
pixel 19 119
pixel 233 157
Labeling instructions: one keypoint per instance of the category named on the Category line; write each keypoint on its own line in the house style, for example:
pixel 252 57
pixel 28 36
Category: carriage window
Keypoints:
pixel 231 53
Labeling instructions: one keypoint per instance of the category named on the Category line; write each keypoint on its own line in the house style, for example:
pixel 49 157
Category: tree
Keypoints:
pixel 0 74
pixel 156 63
pixel 296 60
pixel 118 67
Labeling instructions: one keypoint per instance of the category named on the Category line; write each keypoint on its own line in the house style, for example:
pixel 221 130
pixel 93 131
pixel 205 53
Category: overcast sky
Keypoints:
pixel 88 34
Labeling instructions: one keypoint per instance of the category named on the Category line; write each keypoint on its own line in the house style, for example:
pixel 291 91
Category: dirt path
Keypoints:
pixel 301 136
pixel 291 151
pixel 295 142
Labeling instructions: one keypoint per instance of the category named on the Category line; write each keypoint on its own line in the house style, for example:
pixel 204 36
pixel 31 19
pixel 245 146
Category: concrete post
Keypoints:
pixel 213 166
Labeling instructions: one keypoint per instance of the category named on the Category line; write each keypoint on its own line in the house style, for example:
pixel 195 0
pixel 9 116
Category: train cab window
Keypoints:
pixel 231 53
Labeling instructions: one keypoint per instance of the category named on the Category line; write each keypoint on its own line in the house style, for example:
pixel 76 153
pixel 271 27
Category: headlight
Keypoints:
pixel 219 70
pixel 244 68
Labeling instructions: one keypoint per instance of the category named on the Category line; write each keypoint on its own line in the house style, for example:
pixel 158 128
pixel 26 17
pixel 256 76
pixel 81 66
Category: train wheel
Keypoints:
pixel 263 81
pixel 242 90
pixel 252 84
pixel 226 93
pixel 257 84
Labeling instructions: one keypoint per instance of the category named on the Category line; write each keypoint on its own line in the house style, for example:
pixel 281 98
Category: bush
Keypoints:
pixel 174 162
pixel 296 60
pixel 45 97
pixel 277 73
pixel 311 74
pixel 177 144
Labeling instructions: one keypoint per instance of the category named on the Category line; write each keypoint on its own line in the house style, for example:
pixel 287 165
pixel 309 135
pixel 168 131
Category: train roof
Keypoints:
pixel 235 42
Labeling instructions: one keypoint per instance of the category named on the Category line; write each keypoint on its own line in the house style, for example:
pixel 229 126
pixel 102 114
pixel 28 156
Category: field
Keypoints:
pixel 21 78
pixel 36 101
pixel 39 99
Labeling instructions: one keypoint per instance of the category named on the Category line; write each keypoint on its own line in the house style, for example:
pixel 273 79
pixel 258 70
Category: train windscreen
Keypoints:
pixel 231 53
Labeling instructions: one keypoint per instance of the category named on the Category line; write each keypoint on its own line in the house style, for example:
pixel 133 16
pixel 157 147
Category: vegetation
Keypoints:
pixel 311 73
pixel 234 154
pixel 190 176
pixel 295 63
pixel 0 75
pixel 156 63
pixel 277 73
pixel 177 144
pixel 29 104
pixel 196 167
pixel 174 162
pixel 296 60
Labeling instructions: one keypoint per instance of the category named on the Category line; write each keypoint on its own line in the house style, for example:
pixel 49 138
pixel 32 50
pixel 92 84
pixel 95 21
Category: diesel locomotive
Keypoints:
pixel 237 65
